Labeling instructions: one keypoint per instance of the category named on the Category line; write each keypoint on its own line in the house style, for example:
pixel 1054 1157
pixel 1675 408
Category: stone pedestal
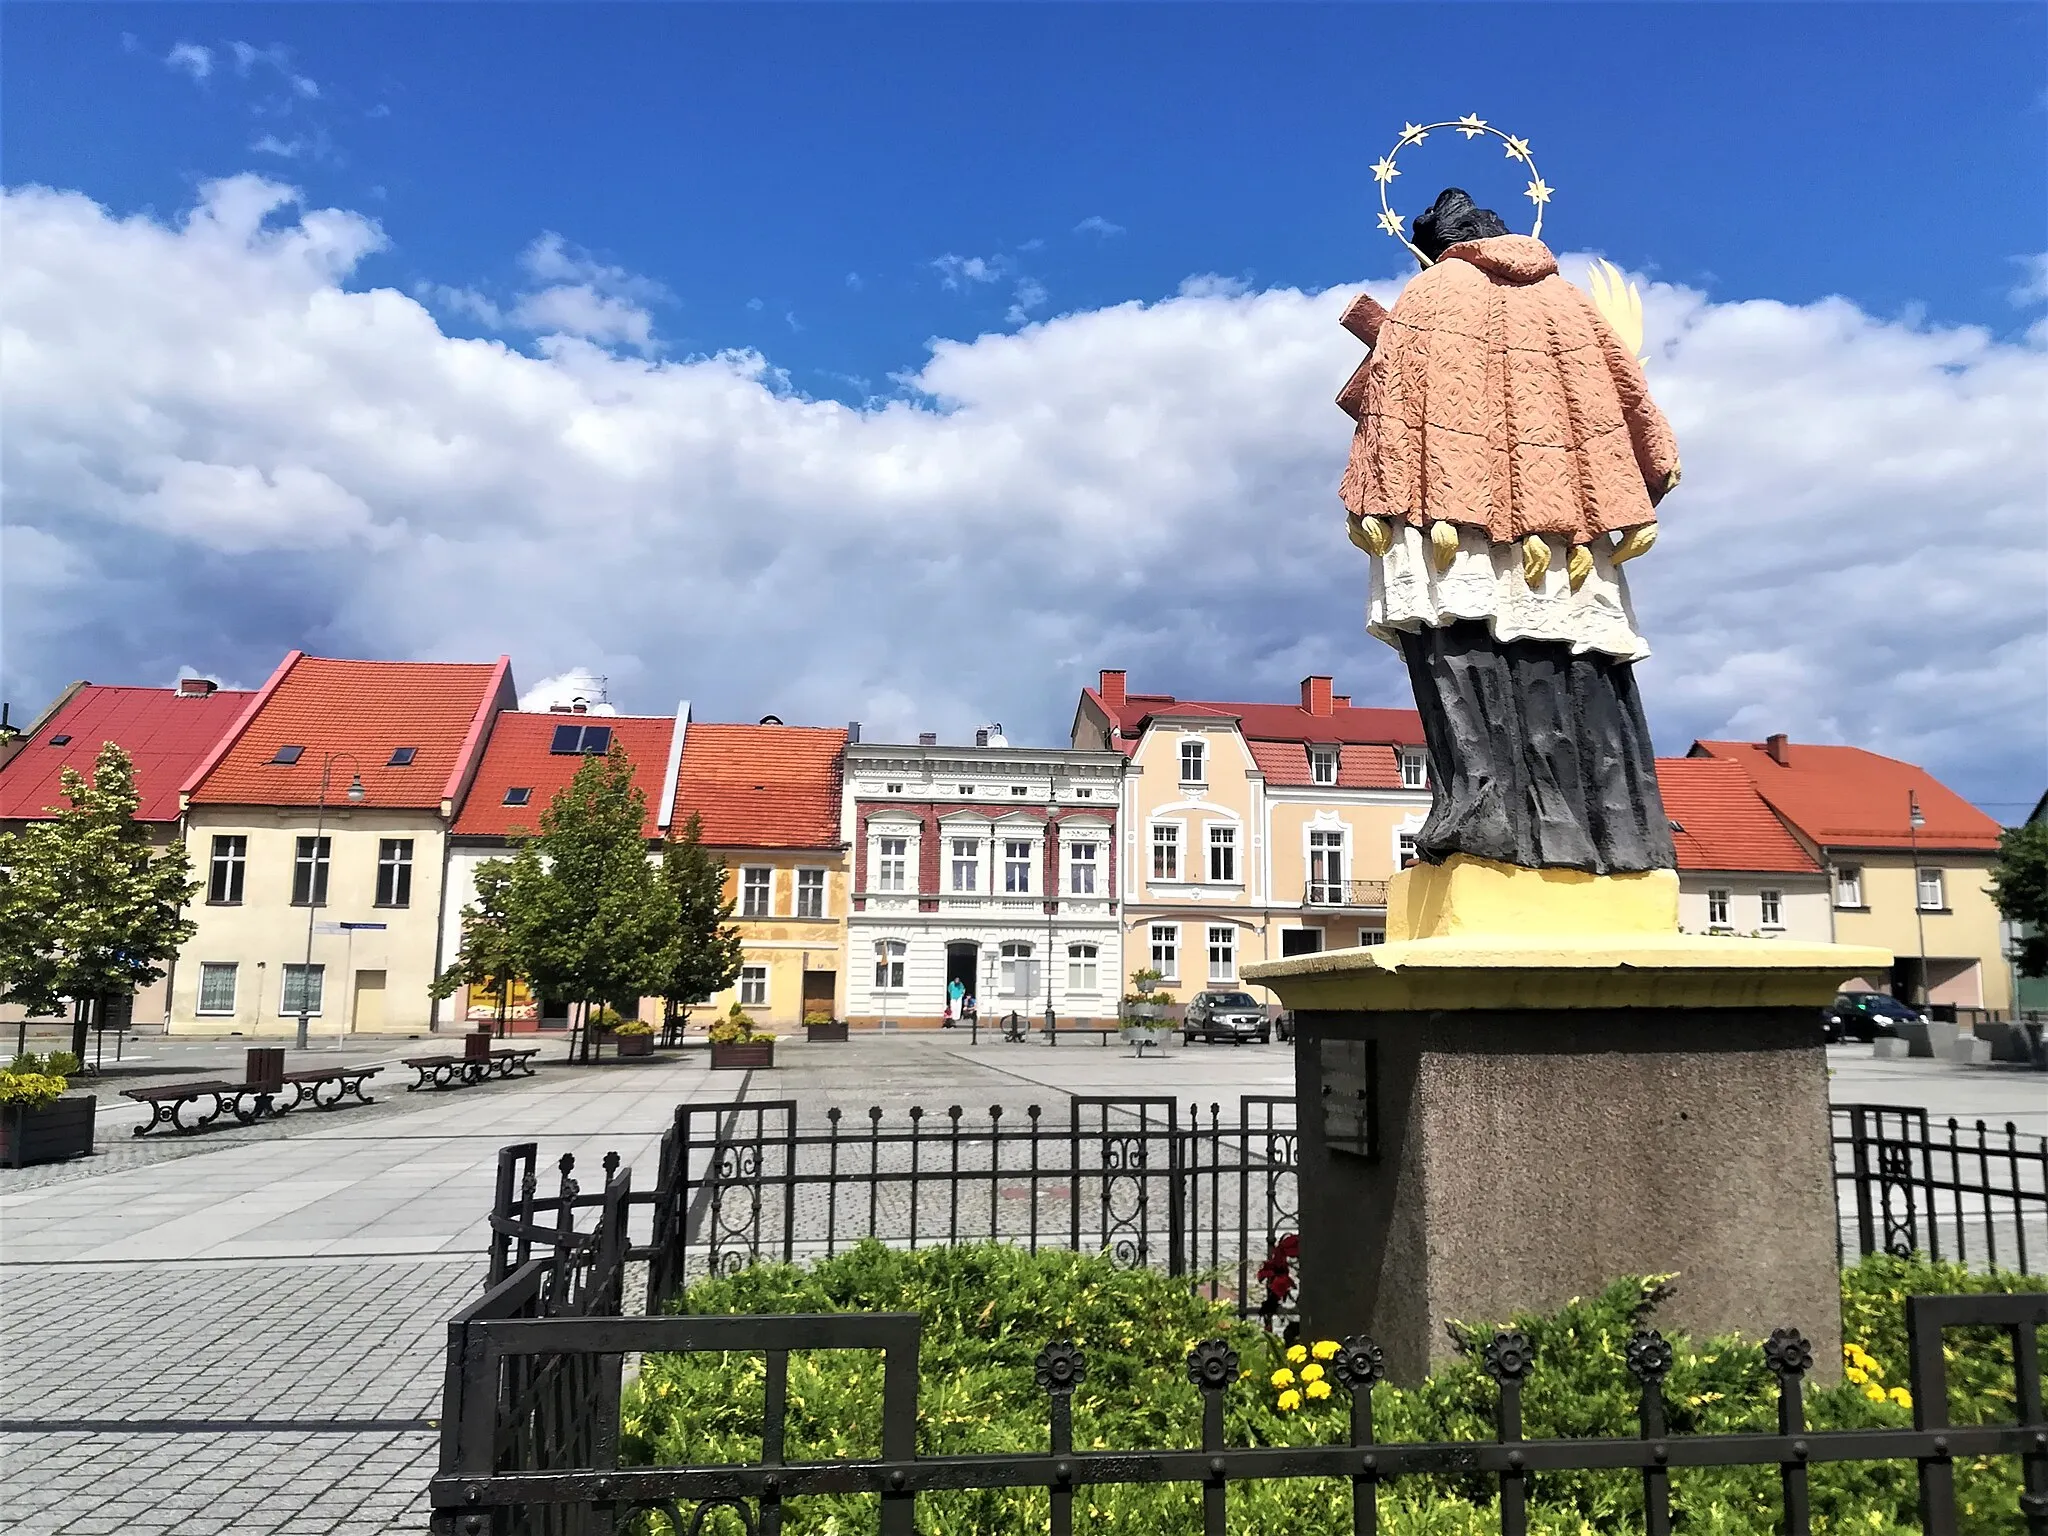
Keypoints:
pixel 1536 1086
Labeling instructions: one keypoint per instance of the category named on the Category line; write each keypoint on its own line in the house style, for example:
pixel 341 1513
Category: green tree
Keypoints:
pixel 487 956
pixel 89 910
pixel 587 914
pixel 708 953
pixel 2019 887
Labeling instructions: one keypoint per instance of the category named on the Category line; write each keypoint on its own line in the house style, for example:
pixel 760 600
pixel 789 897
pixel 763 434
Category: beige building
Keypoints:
pixel 1740 869
pixel 327 808
pixel 1254 831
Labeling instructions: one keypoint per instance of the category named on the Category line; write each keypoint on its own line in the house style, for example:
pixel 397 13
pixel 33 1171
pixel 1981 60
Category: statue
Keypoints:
pixel 1507 463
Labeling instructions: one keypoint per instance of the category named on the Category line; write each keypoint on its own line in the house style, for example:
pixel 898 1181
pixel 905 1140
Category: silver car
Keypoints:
pixel 1233 1016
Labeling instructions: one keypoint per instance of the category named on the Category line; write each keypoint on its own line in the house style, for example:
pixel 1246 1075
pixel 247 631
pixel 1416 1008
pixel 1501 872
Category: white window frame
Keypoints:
pixel 1084 968
pixel 1166 836
pixel 1370 936
pixel 749 885
pixel 1017 879
pixel 1927 879
pixel 1163 943
pixel 1406 854
pixel 1223 840
pixel 209 967
pixel 1014 971
pixel 319 864
pixel 969 862
pixel 753 986
pixel 811 880
pixel 890 958
pixel 1717 906
pixel 1321 883
pixel 229 859
pixel 1770 908
pixel 892 870
pixel 394 858
pixel 1414 768
pixel 1082 861
pixel 1848 885
pixel 1193 749
pixel 1323 766
pixel 1222 943
pixel 316 984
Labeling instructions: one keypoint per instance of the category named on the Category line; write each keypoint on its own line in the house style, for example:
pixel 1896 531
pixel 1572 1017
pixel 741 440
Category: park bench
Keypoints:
pixel 265 1092
pixel 473 1066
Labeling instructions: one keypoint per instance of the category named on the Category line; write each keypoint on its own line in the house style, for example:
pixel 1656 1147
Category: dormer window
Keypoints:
pixel 581 741
pixel 401 757
pixel 288 754
pixel 518 794
pixel 1322 765
pixel 1191 755
pixel 1414 769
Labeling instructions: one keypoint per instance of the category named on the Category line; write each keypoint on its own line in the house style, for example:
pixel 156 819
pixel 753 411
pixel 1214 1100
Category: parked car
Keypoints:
pixel 1867 1015
pixel 1233 1016
pixel 1284 1025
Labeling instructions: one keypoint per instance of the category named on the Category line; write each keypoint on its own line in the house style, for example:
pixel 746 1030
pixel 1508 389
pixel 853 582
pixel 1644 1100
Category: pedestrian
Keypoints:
pixel 955 991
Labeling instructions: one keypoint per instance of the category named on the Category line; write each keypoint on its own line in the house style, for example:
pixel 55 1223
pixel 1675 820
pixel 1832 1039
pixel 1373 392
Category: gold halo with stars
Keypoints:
pixel 1472 125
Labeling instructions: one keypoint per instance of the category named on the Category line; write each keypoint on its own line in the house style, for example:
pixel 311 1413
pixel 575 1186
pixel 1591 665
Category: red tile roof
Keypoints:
pixel 1722 823
pixel 1845 797
pixel 1358 767
pixel 367 709
pixel 762 786
pixel 519 755
pixel 1344 723
pixel 166 734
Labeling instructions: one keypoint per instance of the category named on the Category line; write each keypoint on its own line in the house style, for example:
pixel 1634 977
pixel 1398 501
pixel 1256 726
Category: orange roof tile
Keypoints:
pixel 366 709
pixel 1344 723
pixel 166 735
pixel 519 755
pixel 762 786
pixel 1359 766
pixel 1845 797
pixel 1721 823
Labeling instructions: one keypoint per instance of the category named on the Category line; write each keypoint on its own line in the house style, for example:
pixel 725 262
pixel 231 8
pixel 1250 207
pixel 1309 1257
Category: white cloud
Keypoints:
pixel 216 438
pixel 1096 224
pixel 956 272
pixel 195 60
pixel 2033 284
pixel 1030 295
pixel 853 281
pixel 577 685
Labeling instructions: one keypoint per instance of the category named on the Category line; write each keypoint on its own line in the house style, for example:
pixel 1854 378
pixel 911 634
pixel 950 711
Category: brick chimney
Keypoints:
pixel 1775 745
pixel 1341 700
pixel 1111 686
pixel 196 687
pixel 1315 695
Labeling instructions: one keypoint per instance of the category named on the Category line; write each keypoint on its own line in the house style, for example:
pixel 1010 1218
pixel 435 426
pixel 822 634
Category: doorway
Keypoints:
pixel 366 1017
pixel 961 955
pixel 821 993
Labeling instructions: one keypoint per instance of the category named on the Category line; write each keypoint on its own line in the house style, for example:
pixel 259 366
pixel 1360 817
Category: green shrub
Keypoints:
pixel 817 1018
pixel 27 1061
pixel 736 1027
pixel 606 1021
pixel 31 1090
pixel 62 1064
pixel 633 1028
pixel 989 1308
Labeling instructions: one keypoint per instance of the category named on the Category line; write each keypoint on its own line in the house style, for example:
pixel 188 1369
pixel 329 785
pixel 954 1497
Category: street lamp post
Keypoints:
pixel 316 885
pixel 1914 822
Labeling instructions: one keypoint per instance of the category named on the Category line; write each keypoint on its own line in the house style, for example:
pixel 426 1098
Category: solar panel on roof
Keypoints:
pixel 597 739
pixel 568 740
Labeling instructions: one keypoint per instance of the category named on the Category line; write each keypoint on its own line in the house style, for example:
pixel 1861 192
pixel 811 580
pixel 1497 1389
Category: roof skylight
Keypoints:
pixel 288 754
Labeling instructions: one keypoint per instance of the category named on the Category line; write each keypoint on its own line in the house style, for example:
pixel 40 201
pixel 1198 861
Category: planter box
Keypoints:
pixel 634 1045
pixel 835 1031
pixel 1146 1010
pixel 63 1129
pixel 742 1058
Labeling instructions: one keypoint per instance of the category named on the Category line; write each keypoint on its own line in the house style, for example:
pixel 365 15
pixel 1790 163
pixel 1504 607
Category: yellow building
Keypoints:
pixel 769 797
pixel 1908 863
pixel 1254 831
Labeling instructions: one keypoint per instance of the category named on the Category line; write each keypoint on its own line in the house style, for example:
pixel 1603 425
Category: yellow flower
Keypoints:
pixel 1901 1396
pixel 1874 1392
pixel 1325 1349
pixel 1283 1377
pixel 1311 1373
pixel 1318 1389
pixel 1296 1354
pixel 1289 1401
pixel 1857 1375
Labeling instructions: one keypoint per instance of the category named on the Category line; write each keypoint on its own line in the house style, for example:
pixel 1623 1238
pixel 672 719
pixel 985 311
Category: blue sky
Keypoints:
pixel 589 269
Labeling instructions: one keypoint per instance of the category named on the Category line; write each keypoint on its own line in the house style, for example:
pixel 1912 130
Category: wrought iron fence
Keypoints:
pixel 1976 1195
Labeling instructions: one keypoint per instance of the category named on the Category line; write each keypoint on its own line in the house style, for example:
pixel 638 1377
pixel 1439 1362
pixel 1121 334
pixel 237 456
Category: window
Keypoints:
pixel 966 789
pixel 1020 789
pixel 1166 950
pixel 1223 854
pixel 966 864
pixel 1166 852
pixel 1773 905
pixel 519 794
pixel 305 988
pixel 61 739
pixel 1083 973
pixel 1322 765
pixel 1932 896
pixel 1326 868
pixel 756 891
pixel 1081 869
pixel 1370 936
pixel 1191 762
pixel 401 757
pixel 288 754
pixel 309 873
pixel 216 987
pixel 1404 849
pixel 810 893
pixel 1717 909
pixel 224 880
pixel 1222 953
pixel 892 789
pixel 753 986
pixel 581 740
pixel 889 965
pixel 1015 978
pixel 394 872
pixel 1849 885
pixel 1084 794
pixel 1017 866
pixel 1414 770
pixel 892 866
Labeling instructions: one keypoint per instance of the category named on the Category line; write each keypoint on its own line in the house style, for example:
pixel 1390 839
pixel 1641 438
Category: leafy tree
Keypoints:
pixel 2019 886
pixel 708 949
pixel 487 956
pixel 89 910
pixel 586 913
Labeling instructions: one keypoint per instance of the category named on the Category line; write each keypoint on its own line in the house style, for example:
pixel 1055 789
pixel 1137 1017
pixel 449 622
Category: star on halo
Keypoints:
pixel 1538 193
pixel 1384 170
pixel 1413 133
pixel 1471 125
pixel 1390 221
pixel 1518 149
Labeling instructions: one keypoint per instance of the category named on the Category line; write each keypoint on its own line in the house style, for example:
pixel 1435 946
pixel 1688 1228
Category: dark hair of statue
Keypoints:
pixel 1452 219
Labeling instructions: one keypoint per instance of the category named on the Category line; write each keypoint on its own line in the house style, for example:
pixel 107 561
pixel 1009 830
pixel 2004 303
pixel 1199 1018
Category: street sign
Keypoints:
pixel 361 927
pixel 330 927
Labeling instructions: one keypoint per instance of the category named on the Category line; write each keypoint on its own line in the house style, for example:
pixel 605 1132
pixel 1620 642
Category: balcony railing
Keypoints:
pixel 1345 893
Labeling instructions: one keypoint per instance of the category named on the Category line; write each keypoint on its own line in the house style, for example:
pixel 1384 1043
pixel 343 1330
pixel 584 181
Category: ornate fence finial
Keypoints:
pixel 1649 1356
pixel 1787 1353
pixel 1212 1365
pixel 1061 1367
pixel 1360 1363
pixel 1508 1356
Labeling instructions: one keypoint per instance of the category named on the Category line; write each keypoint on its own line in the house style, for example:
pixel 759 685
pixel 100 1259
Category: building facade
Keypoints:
pixel 991 869
pixel 1907 863
pixel 1253 831
pixel 1740 871
pixel 328 804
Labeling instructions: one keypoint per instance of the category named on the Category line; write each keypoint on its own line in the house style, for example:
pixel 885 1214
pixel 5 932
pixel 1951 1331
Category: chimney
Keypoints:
pixel 1111 686
pixel 1775 745
pixel 981 736
pixel 196 687
pixel 579 706
pixel 927 738
pixel 1341 700
pixel 560 709
pixel 853 733
pixel 1315 695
